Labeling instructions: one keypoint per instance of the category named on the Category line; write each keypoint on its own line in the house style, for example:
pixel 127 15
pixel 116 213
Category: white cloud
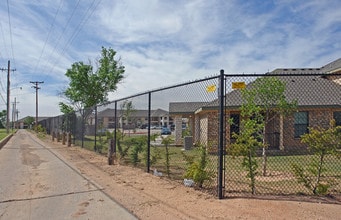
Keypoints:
pixel 163 43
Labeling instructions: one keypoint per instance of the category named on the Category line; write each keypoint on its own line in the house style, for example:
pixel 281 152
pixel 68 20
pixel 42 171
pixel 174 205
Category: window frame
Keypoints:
pixel 301 128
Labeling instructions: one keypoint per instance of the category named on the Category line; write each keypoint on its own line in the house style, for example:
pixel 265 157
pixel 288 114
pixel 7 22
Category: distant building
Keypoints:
pixel 137 118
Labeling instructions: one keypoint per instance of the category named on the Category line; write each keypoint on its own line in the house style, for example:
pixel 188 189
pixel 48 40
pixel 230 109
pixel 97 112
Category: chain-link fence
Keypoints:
pixel 279 136
pixel 229 135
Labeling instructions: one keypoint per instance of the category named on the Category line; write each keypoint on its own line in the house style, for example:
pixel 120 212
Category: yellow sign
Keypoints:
pixel 211 88
pixel 238 85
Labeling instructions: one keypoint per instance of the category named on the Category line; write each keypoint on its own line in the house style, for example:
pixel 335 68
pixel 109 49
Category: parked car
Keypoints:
pixel 144 126
pixel 165 131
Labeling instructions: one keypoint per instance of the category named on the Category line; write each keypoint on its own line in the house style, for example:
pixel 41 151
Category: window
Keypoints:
pixel 301 124
pixel 234 127
pixel 337 118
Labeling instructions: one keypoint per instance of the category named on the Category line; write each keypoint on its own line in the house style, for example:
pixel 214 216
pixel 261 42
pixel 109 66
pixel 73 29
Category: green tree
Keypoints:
pixel 87 87
pixel 3 117
pixel 65 109
pixel 321 142
pixel 29 120
pixel 268 94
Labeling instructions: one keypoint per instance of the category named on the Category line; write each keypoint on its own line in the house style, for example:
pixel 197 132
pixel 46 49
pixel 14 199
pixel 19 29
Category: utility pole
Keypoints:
pixel 36 87
pixel 14 114
pixel 8 93
pixel 13 109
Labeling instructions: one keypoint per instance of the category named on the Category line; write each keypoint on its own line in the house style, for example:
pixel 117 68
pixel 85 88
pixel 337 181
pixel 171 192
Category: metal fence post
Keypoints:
pixel 95 144
pixel 112 147
pixel 221 134
pixel 83 126
pixel 149 121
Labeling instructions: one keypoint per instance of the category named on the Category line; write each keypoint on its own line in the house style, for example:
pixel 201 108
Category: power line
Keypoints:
pixel 10 31
pixel 63 31
pixel 3 37
pixel 83 21
pixel 48 35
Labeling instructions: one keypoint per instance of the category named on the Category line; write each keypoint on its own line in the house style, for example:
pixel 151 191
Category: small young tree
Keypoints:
pixel 155 153
pixel 268 93
pixel 197 167
pixel 250 137
pixel 321 142
pixel 166 141
pixel 138 145
pixel 122 146
pixel 127 109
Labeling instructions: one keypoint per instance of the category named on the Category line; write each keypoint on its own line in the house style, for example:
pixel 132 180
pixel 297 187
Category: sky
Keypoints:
pixel 160 43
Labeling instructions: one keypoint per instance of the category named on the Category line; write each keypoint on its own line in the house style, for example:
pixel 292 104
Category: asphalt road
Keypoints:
pixel 36 183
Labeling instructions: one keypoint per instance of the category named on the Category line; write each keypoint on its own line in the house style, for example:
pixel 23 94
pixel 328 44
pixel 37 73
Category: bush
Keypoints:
pixel 321 142
pixel 196 169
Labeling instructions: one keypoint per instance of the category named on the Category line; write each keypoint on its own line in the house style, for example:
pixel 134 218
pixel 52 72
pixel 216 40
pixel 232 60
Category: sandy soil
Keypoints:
pixel 152 197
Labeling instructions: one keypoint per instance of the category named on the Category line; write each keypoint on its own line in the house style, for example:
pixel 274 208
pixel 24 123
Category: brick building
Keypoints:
pixel 318 95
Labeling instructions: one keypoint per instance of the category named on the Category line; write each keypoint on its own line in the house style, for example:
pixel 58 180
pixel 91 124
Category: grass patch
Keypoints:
pixel 3 133
pixel 280 178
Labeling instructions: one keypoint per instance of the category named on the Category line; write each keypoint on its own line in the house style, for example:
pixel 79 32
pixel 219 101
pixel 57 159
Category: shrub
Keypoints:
pixel 196 169
pixel 321 142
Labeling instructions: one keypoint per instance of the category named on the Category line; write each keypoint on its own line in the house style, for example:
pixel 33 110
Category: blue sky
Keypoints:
pixel 160 43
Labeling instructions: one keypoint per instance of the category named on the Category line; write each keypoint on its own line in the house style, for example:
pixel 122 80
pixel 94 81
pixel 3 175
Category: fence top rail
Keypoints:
pixel 229 75
pixel 282 74
pixel 163 88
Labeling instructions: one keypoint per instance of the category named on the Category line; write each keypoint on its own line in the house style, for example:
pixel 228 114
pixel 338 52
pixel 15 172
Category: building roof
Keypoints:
pixel 308 91
pixel 41 118
pixel 330 67
pixel 184 107
pixel 309 86
pixel 135 113
pixel 314 89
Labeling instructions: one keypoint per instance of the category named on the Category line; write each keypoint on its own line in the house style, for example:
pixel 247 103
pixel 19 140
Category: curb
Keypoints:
pixel 5 140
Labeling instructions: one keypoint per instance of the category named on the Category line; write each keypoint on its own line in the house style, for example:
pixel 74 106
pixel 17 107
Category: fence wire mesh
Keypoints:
pixel 175 133
pixel 279 136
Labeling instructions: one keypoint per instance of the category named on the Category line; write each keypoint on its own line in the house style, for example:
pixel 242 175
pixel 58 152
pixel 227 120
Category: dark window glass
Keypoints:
pixel 234 127
pixel 301 123
pixel 337 118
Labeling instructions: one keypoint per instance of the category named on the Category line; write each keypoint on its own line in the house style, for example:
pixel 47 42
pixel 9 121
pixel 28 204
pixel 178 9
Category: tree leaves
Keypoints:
pixel 87 87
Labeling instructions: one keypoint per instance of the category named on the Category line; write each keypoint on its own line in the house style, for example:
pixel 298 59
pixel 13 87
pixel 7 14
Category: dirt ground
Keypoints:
pixel 152 197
